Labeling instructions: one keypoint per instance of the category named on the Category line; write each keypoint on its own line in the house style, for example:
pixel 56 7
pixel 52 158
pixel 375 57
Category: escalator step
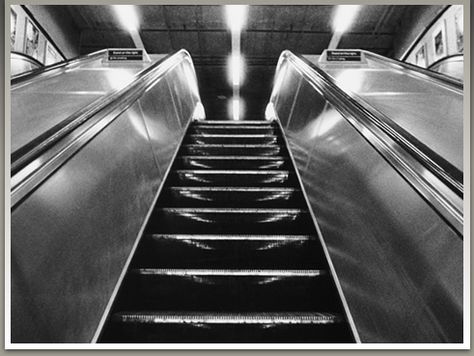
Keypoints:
pixel 240 237
pixel 228 318
pixel 230 251
pixel 231 139
pixel 230 221
pixel 230 177
pixel 243 290
pixel 232 122
pixel 232 149
pixel 232 129
pixel 271 197
pixel 232 162
pixel 228 272
pixel 199 327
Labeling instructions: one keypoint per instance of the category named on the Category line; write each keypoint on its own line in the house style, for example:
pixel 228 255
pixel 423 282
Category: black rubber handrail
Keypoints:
pixel 37 73
pixel 444 59
pixel 443 78
pixel 28 58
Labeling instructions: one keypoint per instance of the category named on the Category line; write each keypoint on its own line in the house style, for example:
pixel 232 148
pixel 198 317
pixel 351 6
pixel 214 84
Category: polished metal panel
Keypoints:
pixel 436 179
pixel 21 63
pixel 91 206
pixel 399 263
pixel 430 110
pixel 41 104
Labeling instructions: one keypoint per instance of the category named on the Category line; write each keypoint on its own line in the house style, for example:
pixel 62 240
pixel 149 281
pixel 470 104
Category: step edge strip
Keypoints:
pixel 229 272
pixel 234 210
pixel 228 318
pixel 231 237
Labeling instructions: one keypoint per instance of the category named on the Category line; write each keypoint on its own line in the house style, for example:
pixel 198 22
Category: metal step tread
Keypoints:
pixel 233 158
pixel 232 122
pixel 235 189
pixel 229 272
pixel 231 145
pixel 235 210
pixel 232 171
pixel 151 317
pixel 236 237
pixel 232 135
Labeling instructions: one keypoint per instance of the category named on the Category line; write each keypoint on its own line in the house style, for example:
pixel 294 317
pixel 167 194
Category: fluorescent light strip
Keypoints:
pixel 236 68
pixel 236 108
pixel 344 17
pixel 236 15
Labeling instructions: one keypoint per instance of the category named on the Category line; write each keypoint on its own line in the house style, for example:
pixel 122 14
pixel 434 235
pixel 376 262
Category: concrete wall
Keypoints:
pixel 59 25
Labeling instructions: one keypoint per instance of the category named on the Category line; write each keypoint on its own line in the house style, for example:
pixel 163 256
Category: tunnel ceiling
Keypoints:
pixel 269 30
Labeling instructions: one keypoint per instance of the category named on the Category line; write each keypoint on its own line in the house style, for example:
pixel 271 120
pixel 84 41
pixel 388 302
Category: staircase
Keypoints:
pixel 230 252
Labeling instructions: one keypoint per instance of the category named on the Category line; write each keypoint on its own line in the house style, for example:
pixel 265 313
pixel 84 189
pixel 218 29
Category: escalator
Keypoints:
pixel 172 228
pixel 230 252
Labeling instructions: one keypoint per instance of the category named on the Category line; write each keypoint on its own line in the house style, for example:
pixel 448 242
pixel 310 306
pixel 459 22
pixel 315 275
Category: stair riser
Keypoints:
pixel 240 198
pixel 189 178
pixel 216 130
pixel 270 150
pixel 207 140
pixel 230 333
pixel 196 163
pixel 230 223
pixel 221 293
pixel 173 253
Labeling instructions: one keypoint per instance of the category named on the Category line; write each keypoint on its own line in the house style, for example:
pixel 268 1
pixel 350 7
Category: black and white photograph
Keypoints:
pixel 458 21
pixel 13 18
pixel 31 40
pixel 421 57
pixel 439 41
pixel 237 176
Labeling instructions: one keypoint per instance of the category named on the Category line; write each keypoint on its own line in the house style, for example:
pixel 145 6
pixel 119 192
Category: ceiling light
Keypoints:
pixel 236 66
pixel 344 17
pixel 236 108
pixel 128 16
pixel 236 15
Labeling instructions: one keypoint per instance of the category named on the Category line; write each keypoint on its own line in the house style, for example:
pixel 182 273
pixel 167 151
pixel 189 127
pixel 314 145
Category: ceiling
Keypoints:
pixel 269 30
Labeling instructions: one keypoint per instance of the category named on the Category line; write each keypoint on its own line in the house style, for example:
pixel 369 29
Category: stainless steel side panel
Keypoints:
pixel 72 237
pixel 399 264
pixel 41 104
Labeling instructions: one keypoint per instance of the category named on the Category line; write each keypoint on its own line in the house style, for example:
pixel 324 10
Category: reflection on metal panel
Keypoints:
pixel 431 111
pixel 41 104
pixel 399 264
pixel 73 234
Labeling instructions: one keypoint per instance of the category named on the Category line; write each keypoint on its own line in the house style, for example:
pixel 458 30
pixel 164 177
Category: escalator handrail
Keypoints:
pixel 118 100
pixel 451 82
pixel 52 69
pixel 26 58
pixel 446 59
pixel 446 173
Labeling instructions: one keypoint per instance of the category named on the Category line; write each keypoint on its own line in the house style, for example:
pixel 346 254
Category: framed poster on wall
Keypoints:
pixel 420 56
pixel 51 55
pixel 31 39
pixel 458 24
pixel 439 41
pixel 13 18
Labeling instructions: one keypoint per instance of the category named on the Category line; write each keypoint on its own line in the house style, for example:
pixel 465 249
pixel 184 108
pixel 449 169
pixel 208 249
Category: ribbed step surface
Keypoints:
pixel 230 252
pixel 232 162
